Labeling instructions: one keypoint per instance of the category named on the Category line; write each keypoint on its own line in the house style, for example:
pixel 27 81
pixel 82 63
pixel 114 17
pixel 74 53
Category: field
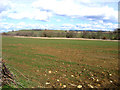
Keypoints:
pixel 46 63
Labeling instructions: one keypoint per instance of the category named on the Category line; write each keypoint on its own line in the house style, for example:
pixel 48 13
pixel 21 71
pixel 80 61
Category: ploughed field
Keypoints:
pixel 51 63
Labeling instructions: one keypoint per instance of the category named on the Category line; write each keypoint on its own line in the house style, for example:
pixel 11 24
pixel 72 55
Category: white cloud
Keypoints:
pixel 105 0
pixel 79 26
pixel 100 21
pixel 97 25
pixel 6 26
pixel 83 25
pixel 36 15
pixel 96 1
pixel 43 9
pixel 58 20
pixel 67 26
pixel 4 5
pixel 88 10
pixel 76 8
pixel 20 11
pixel 111 25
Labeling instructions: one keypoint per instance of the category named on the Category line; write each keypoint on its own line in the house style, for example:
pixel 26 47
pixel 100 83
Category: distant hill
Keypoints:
pixel 64 30
pixel 90 30
pixel 91 34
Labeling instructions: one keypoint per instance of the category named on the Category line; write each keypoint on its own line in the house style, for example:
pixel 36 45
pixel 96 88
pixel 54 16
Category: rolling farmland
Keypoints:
pixel 49 63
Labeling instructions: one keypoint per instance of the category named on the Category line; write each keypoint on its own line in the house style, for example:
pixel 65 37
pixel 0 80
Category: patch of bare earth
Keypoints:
pixel 63 38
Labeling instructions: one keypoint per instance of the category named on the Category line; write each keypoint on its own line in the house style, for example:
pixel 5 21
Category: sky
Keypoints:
pixel 58 14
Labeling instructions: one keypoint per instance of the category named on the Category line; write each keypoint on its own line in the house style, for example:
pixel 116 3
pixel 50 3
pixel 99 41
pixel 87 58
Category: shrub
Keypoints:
pixel 98 36
pixel 4 33
pixel 70 34
pixel 104 37
pixel 24 33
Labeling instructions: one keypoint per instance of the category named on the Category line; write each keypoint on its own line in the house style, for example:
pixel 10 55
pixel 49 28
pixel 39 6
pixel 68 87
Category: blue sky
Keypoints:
pixel 58 14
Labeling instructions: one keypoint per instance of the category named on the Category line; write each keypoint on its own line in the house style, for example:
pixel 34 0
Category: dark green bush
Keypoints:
pixel 70 34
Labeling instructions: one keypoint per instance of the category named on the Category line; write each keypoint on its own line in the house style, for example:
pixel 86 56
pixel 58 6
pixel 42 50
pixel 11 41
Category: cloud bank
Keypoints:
pixel 58 14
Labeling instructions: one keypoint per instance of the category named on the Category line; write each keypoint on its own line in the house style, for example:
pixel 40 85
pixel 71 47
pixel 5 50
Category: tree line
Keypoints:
pixel 113 35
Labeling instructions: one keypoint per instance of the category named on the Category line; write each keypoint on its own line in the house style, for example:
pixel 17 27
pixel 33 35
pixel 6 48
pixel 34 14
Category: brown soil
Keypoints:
pixel 63 38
